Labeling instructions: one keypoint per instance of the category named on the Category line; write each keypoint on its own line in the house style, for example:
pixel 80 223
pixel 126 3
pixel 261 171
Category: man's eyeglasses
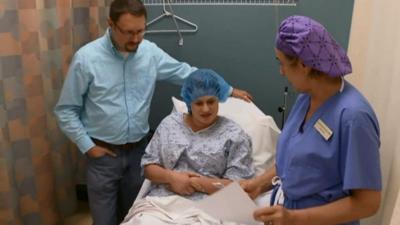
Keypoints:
pixel 130 33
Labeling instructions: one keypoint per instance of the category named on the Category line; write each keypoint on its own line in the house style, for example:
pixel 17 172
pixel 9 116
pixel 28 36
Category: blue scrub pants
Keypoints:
pixel 114 182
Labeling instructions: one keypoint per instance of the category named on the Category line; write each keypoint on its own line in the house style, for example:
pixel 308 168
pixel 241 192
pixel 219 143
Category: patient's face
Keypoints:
pixel 204 111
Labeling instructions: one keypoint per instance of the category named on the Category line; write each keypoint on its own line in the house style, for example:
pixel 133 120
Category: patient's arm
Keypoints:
pixel 208 185
pixel 177 182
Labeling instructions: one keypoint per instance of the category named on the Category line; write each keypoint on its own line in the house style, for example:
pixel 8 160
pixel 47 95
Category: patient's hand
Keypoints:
pixel 180 182
pixel 208 185
pixel 195 182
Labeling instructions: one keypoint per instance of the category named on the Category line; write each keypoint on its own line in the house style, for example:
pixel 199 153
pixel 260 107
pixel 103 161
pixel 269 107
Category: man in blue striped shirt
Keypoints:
pixel 104 106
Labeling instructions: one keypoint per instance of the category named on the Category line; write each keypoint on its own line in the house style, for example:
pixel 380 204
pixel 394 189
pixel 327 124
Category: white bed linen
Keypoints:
pixel 168 210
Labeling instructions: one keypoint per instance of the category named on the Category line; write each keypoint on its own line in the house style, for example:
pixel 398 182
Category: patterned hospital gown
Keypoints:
pixel 222 150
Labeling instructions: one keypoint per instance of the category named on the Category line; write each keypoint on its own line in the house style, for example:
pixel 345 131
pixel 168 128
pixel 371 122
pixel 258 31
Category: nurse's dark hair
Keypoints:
pixel 294 60
pixel 133 7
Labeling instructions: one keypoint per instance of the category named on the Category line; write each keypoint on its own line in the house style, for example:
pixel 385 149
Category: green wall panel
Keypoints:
pixel 238 42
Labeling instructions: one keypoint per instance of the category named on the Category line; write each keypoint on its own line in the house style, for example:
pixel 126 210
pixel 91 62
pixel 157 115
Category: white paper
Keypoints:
pixel 230 204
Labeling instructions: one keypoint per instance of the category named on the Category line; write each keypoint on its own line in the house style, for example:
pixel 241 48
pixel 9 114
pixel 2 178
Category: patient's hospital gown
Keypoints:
pixel 222 150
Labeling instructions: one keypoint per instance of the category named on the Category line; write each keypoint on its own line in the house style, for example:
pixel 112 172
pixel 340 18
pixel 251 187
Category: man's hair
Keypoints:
pixel 120 7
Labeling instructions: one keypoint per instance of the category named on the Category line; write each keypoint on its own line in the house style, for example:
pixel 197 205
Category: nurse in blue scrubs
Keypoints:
pixel 327 165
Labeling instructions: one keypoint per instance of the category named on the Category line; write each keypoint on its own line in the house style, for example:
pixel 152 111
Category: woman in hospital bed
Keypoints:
pixel 192 155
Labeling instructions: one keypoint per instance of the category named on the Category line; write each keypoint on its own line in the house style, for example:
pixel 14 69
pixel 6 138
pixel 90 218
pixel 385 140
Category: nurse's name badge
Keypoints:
pixel 323 129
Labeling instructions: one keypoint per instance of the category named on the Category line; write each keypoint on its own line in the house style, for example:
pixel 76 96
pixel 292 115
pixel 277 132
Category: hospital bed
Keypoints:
pixel 260 127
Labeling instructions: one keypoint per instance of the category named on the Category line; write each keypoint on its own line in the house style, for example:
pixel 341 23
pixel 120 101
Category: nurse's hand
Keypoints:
pixel 275 215
pixel 237 93
pixel 252 187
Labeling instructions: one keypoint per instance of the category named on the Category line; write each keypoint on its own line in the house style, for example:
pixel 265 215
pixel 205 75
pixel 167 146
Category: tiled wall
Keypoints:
pixel 38 165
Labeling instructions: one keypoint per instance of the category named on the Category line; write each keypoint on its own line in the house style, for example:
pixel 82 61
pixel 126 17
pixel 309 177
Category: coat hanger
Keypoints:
pixel 174 17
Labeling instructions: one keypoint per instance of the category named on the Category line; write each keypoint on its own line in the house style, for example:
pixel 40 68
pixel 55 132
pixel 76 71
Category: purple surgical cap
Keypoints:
pixel 305 38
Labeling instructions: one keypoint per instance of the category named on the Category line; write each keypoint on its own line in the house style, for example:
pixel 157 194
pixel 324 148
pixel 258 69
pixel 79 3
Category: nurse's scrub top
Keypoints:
pixel 335 151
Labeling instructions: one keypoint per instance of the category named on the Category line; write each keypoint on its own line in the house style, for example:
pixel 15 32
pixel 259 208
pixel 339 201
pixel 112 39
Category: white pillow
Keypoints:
pixel 261 128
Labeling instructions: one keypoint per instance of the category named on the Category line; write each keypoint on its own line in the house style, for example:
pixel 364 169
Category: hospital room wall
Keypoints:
pixel 238 42
pixel 374 48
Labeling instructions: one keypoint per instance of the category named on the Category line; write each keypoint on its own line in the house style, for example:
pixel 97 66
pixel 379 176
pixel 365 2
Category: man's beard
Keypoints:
pixel 131 47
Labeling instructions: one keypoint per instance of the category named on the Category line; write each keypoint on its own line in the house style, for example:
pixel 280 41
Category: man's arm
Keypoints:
pixel 242 94
pixel 70 103
pixel 171 70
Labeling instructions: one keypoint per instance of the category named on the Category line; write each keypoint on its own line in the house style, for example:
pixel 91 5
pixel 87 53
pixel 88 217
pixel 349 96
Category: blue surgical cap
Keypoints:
pixel 204 82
